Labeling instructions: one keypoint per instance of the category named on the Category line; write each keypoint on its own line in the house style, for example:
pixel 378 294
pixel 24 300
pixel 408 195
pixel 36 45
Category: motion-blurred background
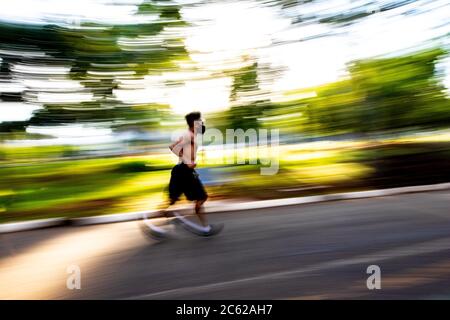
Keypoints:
pixel 91 92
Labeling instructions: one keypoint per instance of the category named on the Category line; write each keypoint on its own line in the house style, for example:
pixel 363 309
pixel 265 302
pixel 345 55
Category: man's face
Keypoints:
pixel 199 126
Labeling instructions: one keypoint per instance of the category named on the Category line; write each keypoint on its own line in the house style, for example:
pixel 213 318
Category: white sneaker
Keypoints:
pixel 197 229
pixel 154 231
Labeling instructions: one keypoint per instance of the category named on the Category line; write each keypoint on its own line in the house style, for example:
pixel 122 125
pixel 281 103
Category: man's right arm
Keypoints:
pixel 177 147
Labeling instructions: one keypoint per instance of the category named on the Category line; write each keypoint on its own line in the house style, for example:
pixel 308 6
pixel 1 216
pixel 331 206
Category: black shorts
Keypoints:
pixel 185 180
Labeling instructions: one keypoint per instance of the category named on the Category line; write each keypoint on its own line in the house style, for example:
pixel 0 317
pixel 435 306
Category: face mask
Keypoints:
pixel 200 127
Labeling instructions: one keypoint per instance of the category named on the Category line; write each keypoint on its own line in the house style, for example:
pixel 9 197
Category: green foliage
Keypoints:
pixel 379 95
pixel 98 53
pixel 400 92
pixel 244 80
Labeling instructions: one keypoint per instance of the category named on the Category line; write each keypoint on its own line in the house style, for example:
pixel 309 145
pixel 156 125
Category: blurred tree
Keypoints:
pixel 243 115
pixel 246 98
pixel 99 57
pixel 381 94
pixel 400 92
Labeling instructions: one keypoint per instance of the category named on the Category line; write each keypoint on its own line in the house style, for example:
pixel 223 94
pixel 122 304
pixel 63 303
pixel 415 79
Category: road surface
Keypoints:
pixel 316 251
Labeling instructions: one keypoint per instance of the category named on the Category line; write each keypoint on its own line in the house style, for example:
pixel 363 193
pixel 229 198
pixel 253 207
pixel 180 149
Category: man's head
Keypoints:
pixel 194 119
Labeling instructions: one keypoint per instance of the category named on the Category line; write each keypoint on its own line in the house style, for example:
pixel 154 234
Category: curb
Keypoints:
pixel 31 225
pixel 110 218
pixel 220 206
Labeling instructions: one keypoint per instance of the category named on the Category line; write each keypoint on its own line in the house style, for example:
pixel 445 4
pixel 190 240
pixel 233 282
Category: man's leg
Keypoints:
pixel 157 231
pixel 207 229
pixel 174 193
pixel 195 191
pixel 203 228
pixel 175 190
pixel 199 193
pixel 200 212
pixel 164 206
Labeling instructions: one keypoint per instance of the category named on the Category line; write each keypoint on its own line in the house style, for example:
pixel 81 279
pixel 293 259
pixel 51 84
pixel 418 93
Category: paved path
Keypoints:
pixel 316 251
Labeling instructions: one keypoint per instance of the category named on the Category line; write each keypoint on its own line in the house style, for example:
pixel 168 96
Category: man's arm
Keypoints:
pixel 177 147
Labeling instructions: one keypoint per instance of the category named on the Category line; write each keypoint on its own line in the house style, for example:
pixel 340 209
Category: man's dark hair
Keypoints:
pixel 192 117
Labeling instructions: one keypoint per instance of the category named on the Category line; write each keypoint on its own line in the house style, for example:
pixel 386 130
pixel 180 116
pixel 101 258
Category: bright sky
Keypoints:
pixel 222 33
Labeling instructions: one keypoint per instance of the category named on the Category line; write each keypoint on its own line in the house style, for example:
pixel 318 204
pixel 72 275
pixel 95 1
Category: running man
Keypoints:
pixel 185 180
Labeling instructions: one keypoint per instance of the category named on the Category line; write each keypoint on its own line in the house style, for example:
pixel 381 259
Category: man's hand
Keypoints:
pixel 191 165
pixel 176 151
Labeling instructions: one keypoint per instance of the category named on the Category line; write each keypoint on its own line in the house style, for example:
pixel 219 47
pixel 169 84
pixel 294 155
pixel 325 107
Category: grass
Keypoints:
pixel 75 188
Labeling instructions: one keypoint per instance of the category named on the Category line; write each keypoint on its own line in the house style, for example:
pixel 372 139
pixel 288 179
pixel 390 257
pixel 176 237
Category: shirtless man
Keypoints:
pixel 185 180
